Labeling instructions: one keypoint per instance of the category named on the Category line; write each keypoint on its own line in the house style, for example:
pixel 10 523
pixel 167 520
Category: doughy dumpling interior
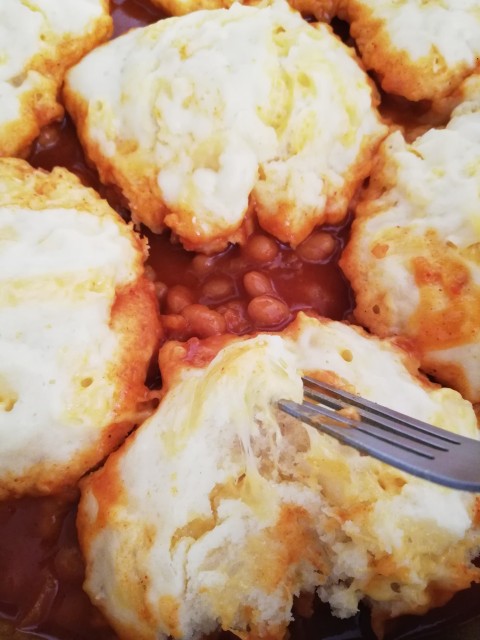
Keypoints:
pixel 220 509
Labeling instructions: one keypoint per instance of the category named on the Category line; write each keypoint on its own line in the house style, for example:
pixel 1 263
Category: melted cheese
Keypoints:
pixel 414 258
pixel 219 509
pixel 200 117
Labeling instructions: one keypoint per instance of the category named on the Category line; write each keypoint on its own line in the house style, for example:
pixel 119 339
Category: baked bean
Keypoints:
pixel 267 311
pixel 261 249
pixel 237 265
pixel 178 297
pixel 51 517
pixel 218 288
pixel 71 610
pixel 175 327
pixel 49 136
pixel 150 273
pixel 202 264
pixel 204 322
pixel 235 314
pixel 69 564
pixel 318 247
pixel 257 283
pixel 160 291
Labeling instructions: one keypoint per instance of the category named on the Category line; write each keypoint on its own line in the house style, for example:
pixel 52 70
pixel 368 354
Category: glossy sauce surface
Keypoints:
pixel 41 570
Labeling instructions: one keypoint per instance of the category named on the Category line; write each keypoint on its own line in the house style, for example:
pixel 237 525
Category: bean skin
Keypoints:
pixel 178 297
pixel 236 318
pixel 204 322
pixel 261 249
pixel 267 311
pixel 218 288
pixel 257 283
pixel 202 264
pixel 317 248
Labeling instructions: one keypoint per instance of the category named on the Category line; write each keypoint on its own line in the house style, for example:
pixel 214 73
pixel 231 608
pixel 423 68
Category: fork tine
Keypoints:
pixel 381 421
pixel 346 429
pixel 315 387
pixel 407 444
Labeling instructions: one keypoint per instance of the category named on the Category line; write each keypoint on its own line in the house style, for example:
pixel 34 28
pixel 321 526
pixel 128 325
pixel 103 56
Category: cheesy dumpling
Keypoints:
pixel 220 508
pixel 414 254
pixel 39 41
pixel 419 49
pixel 78 325
pixel 204 119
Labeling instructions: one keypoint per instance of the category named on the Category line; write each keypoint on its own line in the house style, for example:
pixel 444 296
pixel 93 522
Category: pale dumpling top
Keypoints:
pixel 420 50
pixel 205 118
pixel 414 254
pixel 78 325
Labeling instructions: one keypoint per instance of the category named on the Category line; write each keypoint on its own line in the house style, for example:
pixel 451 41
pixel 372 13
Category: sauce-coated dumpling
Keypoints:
pixel 414 255
pixel 205 118
pixel 39 41
pixel 78 325
pixel 219 509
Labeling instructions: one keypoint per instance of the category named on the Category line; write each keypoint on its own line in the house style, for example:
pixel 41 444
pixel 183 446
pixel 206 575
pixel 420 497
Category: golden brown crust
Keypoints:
pixel 135 319
pixel 38 107
pixel 138 182
pixel 336 205
pixel 447 314
pixel 370 309
pixel 182 7
pixel 322 10
pixel 136 179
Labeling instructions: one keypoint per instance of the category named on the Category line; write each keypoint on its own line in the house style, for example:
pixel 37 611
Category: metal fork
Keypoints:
pixel 408 444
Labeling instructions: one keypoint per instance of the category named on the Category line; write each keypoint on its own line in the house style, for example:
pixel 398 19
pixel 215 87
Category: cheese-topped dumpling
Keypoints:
pixel 39 40
pixel 78 325
pixel 419 49
pixel 220 508
pixel 414 254
pixel 205 118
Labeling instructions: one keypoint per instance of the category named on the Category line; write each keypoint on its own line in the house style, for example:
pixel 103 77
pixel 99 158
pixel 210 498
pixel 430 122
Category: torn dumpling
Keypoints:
pixel 78 326
pixel 219 509
pixel 413 258
pixel 420 50
pixel 39 41
pixel 204 119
